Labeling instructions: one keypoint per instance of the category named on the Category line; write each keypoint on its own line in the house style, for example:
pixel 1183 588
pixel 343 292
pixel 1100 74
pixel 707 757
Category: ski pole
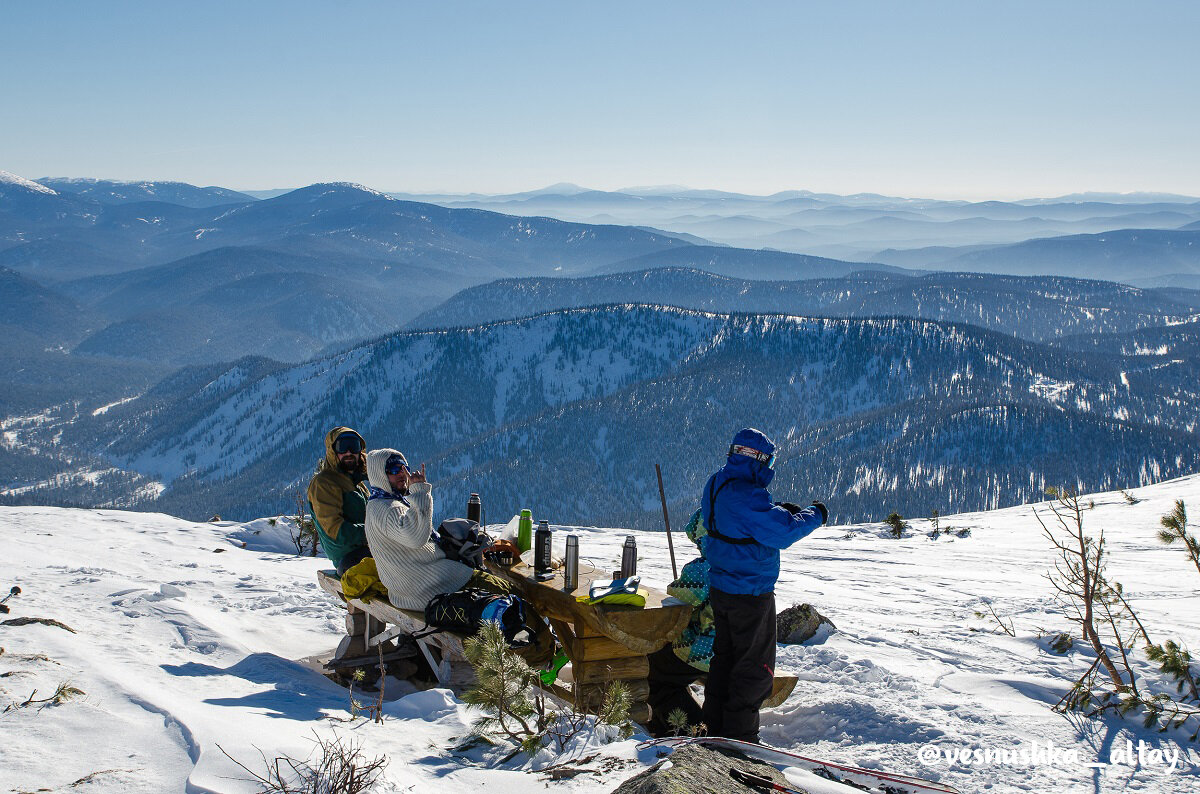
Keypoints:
pixel 666 520
pixel 757 781
pixel 14 591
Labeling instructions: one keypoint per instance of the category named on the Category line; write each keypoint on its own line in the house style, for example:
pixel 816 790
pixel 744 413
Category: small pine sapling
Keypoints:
pixel 677 719
pixel 306 539
pixel 935 521
pixel 1089 600
pixel 515 708
pixel 1175 661
pixel 1174 528
pixel 897 523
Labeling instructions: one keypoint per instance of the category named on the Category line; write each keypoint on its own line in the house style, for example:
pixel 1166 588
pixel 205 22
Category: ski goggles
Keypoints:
pixel 395 464
pixel 347 443
pixel 751 452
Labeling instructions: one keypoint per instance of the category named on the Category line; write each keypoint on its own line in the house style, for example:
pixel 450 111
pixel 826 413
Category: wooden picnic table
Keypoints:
pixel 605 642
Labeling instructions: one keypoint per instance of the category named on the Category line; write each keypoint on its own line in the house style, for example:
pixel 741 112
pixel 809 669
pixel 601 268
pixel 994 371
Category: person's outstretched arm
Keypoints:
pixel 776 526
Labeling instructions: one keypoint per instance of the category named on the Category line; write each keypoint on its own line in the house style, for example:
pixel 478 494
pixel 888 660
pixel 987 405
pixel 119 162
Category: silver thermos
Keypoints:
pixel 475 509
pixel 571 564
pixel 629 556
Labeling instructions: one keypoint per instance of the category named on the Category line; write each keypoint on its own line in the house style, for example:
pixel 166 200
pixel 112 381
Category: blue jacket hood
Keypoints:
pixel 744 468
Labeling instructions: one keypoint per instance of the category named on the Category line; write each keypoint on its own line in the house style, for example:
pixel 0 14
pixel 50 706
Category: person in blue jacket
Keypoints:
pixel 745 532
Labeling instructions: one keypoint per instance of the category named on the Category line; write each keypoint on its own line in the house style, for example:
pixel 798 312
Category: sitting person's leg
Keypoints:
pixel 352 558
pixel 541 651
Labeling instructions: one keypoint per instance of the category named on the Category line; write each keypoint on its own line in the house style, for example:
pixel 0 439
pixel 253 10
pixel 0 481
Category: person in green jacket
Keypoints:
pixel 337 496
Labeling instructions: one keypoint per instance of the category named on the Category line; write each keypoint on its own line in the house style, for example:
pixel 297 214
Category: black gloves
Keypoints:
pixel 795 508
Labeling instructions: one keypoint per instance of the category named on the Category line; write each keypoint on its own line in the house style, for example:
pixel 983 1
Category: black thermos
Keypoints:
pixel 541 546
pixel 474 509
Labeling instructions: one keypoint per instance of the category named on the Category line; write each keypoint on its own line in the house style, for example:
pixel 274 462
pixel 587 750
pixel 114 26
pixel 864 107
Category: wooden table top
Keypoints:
pixel 642 629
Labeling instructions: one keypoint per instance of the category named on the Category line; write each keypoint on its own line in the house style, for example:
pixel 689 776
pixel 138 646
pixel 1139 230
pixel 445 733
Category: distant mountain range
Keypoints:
pixel 109 192
pixel 566 412
pixel 844 227
pixel 1122 255
pixel 311 270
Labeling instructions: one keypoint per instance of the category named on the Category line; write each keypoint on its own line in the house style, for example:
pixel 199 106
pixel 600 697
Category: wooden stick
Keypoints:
pixel 666 520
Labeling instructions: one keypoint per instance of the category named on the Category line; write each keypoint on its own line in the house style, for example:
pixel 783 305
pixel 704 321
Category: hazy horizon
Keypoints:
pixel 619 189
pixel 939 99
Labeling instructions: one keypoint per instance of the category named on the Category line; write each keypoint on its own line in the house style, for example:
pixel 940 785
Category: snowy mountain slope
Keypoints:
pixel 1036 308
pixel 914 414
pixel 188 644
pixel 762 264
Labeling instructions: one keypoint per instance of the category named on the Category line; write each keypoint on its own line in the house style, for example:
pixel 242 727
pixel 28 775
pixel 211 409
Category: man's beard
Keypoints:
pixel 351 467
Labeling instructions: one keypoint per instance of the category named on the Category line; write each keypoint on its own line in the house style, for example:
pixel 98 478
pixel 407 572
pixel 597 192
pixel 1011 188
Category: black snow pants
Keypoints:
pixel 670 678
pixel 742 671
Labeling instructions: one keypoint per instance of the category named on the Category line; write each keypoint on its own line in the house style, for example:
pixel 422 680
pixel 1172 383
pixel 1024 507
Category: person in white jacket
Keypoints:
pixel 399 529
pixel 413 568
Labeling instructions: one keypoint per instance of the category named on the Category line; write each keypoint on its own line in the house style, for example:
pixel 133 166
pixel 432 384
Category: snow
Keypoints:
pixel 103 409
pixel 8 178
pixel 198 638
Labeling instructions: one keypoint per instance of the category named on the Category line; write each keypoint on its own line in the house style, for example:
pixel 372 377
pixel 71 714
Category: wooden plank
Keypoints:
pixel 590 649
pixel 643 630
pixel 634 668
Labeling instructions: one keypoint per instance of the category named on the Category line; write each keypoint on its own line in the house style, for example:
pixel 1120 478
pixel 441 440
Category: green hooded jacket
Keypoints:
pixel 339 501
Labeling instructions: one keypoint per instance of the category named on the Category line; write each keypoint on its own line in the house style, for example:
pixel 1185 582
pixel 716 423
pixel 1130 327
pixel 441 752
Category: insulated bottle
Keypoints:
pixel 474 509
pixel 629 556
pixel 541 554
pixel 525 530
pixel 571 564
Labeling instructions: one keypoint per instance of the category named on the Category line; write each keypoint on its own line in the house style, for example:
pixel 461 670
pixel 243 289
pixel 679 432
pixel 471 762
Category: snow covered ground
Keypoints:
pixel 187 644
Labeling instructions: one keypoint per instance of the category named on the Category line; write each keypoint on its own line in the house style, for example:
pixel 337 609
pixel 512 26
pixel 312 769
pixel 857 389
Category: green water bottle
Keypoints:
pixel 525 530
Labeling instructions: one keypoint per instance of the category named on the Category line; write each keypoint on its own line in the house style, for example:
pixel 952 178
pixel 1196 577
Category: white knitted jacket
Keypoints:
pixel 411 566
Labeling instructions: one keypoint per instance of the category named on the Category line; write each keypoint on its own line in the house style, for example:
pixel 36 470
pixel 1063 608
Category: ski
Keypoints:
pixel 758 781
pixel 873 780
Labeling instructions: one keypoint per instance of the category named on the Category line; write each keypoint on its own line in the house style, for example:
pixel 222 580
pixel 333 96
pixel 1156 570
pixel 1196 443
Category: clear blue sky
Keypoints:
pixel 937 98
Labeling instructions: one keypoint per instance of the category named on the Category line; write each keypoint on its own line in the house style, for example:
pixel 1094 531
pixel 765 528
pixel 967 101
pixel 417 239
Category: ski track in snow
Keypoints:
pixel 188 644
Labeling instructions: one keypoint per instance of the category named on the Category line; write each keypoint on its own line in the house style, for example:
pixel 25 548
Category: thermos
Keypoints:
pixel 525 531
pixel 475 509
pixel 541 554
pixel 571 564
pixel 629 556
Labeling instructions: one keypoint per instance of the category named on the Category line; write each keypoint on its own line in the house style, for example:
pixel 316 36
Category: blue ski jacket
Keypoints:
pixel 743 509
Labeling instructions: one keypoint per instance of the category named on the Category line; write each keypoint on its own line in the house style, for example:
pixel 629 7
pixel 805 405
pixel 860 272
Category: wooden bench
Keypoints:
pixel 367 627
